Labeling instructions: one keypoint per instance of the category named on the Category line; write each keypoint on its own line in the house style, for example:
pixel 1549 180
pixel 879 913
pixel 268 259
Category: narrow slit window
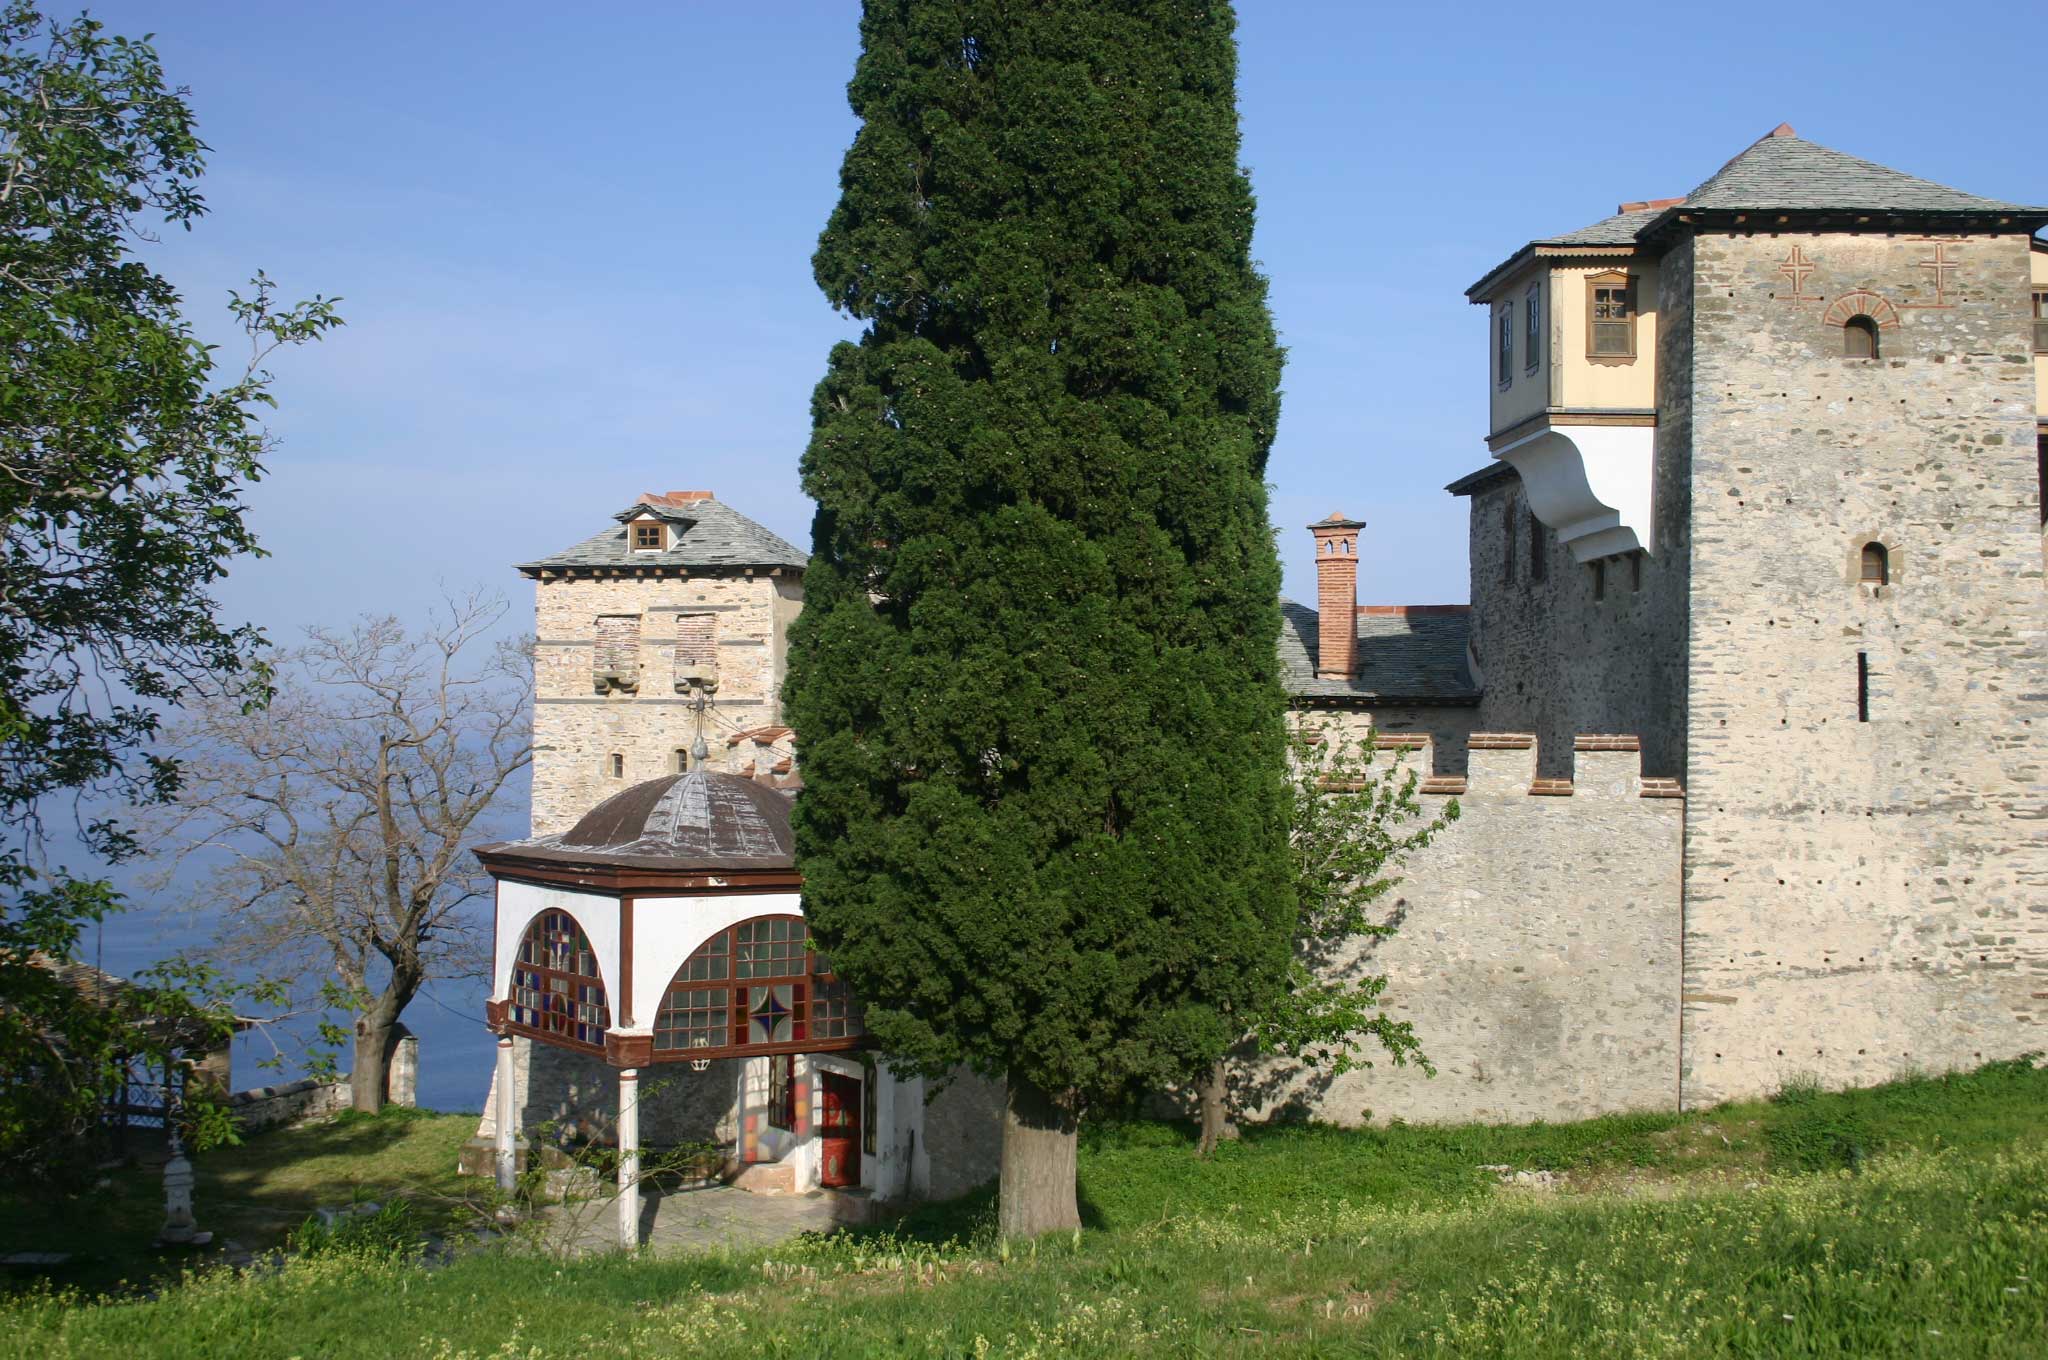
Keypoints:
pixel 1600 579
pixel 1635 573
pixel 1532 328
pixel 682 760
pixel 1859 338
pixel 1507 344
pixel 1537 546
pixel 1863 687
pixel 1877 565
pixel 615 764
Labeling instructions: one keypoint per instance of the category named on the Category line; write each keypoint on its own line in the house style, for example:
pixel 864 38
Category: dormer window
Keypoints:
pixel 647 535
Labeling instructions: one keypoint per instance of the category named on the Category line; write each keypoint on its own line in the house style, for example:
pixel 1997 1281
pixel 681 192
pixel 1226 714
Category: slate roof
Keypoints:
pixel 708 534
pixel 1409 656
pixel 1784 171
pixel 1780 172
pixel 1618 230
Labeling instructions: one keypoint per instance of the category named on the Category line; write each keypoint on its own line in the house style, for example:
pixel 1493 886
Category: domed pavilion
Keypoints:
pixel 662 935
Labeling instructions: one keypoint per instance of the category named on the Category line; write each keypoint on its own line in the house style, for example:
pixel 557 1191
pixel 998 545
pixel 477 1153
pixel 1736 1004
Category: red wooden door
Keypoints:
pixel 839 1131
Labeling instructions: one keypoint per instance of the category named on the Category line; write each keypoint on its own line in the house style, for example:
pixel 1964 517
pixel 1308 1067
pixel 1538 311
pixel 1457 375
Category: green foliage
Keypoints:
pixel 120 509
pixel 393 1230
pixel 1355 817
pixel 1295 1242
pixel 1044 819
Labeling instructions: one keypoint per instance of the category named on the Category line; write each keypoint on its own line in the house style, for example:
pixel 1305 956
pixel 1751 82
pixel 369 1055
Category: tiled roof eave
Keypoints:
pixel 2000 219
pixel 1544 250
pixel 537 570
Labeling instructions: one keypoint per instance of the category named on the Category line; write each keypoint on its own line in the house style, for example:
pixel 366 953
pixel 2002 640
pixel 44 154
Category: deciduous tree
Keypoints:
pixel 1355 817
pixel 339 817
pixel 1035 680
pixel 125 444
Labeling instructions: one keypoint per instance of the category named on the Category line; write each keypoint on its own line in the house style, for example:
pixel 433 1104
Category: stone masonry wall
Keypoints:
pixel 1862 897
pixel 1537 955
pixel 1572 648
pixel 577 728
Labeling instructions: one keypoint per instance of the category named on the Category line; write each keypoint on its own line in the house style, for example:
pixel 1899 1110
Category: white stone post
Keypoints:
pixel 508 1118
pixel 629 1158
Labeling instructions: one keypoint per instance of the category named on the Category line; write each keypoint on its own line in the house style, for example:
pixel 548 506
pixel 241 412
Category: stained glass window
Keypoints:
pixel 756 985
pixel 556 990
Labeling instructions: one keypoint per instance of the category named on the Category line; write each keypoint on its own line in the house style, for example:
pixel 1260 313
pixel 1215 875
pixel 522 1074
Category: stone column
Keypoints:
pixel 403 1079
pixel 629 1158
pixel 506 1154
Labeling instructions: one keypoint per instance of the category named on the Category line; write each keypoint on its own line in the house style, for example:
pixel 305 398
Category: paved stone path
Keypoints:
pixel 684 1221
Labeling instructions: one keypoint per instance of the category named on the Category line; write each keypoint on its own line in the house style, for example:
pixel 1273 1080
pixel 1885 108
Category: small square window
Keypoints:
pixel 647 537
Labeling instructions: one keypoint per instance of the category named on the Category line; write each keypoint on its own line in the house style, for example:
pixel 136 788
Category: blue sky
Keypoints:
pixel 574 246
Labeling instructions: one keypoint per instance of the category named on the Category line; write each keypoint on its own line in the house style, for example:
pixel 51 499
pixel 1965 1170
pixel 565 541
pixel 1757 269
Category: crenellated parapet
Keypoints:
pixel 1506 764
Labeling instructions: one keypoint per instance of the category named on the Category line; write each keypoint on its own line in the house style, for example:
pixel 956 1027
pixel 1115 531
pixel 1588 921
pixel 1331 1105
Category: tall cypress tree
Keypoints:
pixel 1044 825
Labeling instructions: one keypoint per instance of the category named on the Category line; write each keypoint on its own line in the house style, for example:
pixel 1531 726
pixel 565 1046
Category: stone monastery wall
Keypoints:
pixel 1866 893
pixel 1538 950
pixel 585 624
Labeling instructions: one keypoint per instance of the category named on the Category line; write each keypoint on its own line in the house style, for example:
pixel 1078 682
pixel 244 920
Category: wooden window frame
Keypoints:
pixel 640 528
pixel 782 1092
pixel 1532 328
pixel 1607 279
pixel 536 968
pixel 1865 327
pixel 739 960
pixel 1874 564
pixel 1504 344
pixel 2041 321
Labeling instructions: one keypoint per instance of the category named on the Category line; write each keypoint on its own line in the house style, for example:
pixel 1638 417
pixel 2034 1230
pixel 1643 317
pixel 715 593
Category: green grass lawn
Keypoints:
pixel 1908 1220
pixel 254 1194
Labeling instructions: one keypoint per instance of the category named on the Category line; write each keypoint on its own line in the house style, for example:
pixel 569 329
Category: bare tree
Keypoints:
pixel 338 818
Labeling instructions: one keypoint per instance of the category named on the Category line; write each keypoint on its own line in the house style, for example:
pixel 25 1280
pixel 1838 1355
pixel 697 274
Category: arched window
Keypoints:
pixel 1859 338
pixel 556 990
pixel 1877 565
pixel 752 988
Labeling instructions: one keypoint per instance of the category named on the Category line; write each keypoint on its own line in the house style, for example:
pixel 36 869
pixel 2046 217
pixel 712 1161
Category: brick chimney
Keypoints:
pixel 1336 595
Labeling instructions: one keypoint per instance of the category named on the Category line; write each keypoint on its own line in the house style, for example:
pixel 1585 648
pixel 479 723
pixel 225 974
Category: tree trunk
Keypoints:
pixel 372 1065
pixel 1040 1136
pixel 1217 1124
pixel 369 1080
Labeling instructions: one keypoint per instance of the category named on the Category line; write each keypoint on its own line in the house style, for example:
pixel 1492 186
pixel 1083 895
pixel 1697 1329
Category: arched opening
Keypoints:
pixel 557 992
pixel 1877 565
pixel 1859 338
pixel 756 987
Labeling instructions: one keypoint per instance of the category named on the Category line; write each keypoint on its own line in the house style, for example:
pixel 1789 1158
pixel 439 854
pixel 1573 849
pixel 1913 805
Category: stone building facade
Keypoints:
pixel 665 630
pixel 1747 711
pixel 1807 574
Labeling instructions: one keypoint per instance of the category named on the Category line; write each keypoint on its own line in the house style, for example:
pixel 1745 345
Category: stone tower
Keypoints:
pixel 1769 493
pixel 667 626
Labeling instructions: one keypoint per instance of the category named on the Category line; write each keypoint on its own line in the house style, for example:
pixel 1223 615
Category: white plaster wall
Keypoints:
pixel 667 930
pixel 519 903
